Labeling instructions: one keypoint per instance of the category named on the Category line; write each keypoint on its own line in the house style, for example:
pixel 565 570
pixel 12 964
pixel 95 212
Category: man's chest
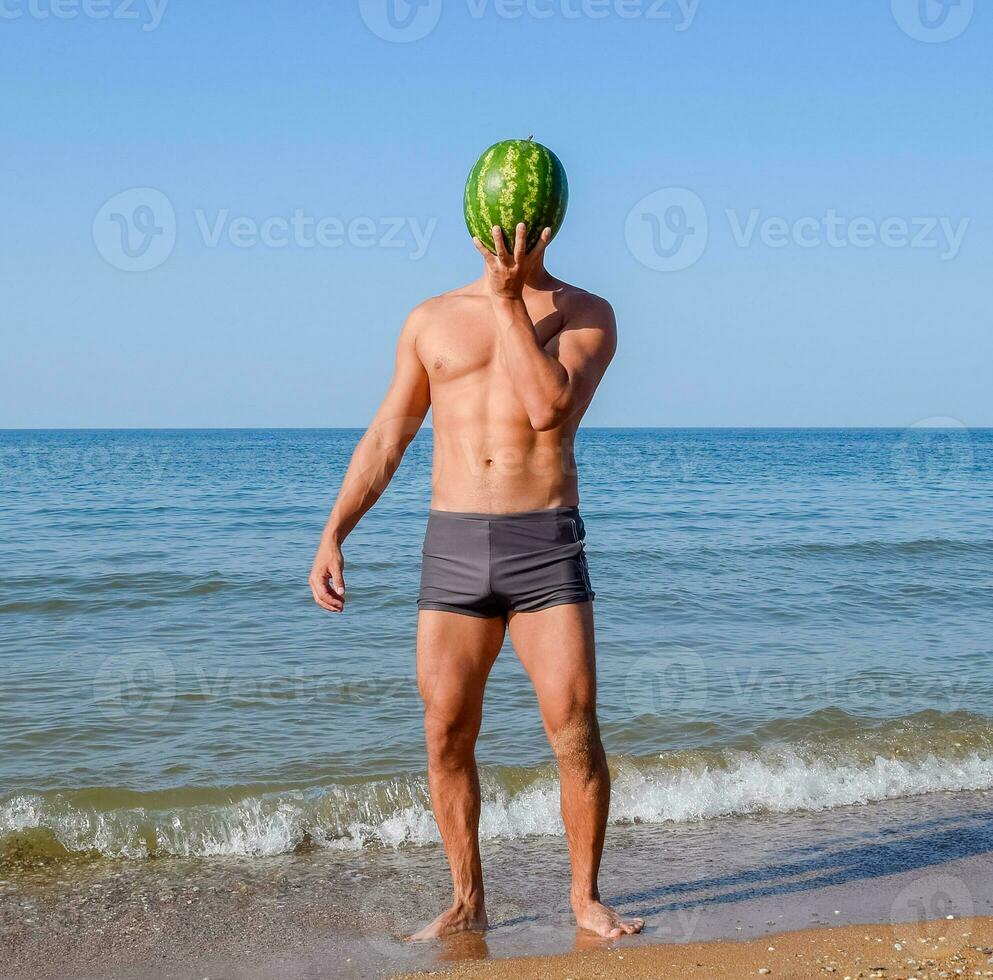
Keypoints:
pixel 452 350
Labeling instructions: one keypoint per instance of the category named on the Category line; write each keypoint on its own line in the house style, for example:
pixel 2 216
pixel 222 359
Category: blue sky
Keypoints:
pixel 820 173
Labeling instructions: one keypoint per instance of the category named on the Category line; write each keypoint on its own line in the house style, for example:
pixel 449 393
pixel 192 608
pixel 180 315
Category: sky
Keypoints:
pixel 219 214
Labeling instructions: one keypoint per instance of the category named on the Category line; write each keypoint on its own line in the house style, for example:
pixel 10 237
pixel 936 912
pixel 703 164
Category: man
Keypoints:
pixel 508 365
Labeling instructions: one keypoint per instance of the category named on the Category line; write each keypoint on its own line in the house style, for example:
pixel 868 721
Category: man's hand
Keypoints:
pixel 508 273
pixel 327 577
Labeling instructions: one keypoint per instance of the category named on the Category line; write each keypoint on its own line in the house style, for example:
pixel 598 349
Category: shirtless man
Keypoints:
pixel 509 365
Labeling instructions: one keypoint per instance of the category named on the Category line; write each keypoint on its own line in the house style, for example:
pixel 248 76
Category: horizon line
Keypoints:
pixel 428 428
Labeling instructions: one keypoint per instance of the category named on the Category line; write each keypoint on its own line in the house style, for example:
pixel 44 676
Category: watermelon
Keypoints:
pixel 514 181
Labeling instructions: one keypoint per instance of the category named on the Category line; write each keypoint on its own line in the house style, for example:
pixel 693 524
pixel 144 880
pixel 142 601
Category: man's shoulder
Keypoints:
pixel 576 300
pixel 434 319
pixel 448 303
pixel 586 311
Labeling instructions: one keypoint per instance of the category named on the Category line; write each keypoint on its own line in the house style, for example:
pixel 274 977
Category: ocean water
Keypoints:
pixel 788 621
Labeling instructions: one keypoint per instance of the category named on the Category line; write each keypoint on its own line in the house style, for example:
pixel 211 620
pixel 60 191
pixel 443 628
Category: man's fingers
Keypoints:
pixel 327 594
pixel 499 244
pixel 542 244
pixel 324 597
pixel 520 242
pixel 337 574
pixel 325 590
pixel 488 257
pixel 335 607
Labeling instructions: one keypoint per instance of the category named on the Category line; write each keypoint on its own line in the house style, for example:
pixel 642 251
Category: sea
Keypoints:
pixel 793 625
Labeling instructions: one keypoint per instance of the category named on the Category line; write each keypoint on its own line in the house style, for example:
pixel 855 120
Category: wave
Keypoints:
pixel 884 549
pixel 687 785
pixel 708 556
pixel 115 591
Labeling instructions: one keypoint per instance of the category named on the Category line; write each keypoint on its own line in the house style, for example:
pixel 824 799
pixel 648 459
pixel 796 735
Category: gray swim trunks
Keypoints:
pixel 489 564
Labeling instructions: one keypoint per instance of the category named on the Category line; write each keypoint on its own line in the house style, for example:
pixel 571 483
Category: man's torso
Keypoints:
pixel 487 456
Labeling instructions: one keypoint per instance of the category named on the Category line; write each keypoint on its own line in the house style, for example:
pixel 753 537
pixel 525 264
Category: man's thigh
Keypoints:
pixel 557 648
pixel 454 656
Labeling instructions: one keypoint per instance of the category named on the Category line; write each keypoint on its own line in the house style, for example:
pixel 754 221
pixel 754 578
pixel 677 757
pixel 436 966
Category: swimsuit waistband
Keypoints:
pixel 519 515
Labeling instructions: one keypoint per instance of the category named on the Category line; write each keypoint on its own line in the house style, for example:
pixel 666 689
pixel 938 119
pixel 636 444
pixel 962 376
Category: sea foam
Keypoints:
pixel 675 787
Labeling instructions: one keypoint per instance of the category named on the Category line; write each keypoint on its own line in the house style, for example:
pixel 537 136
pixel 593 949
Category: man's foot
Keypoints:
pixel 459 918
pixel 604 921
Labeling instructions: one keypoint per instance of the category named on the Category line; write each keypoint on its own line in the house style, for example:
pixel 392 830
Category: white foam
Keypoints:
pixel 786 782
pixel 398 813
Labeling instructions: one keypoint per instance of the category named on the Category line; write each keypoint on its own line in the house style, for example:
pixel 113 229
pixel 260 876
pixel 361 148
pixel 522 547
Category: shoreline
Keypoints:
pixel 938 948
pixel 343 914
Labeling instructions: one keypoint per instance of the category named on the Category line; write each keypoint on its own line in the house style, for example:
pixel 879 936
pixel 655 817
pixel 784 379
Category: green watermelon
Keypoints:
pixel 514 181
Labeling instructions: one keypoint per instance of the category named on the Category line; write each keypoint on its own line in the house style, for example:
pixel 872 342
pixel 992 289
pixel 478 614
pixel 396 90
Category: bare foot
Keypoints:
pixel 459 918
pixel 604 921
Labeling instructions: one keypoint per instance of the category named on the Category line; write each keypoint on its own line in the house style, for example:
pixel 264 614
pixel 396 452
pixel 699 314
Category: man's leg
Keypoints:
pixel 556 646
pixel 454 657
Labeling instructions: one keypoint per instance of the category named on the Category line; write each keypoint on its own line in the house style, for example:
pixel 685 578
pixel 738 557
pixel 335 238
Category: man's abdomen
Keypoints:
pixel 487 456
pixel 508 470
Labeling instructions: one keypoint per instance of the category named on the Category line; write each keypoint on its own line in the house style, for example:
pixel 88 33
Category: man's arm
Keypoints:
pixel 373 464
pixel 552 385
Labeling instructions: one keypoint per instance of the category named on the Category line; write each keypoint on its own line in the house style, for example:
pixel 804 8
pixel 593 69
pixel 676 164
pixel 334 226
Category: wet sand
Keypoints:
pixel 343 914
pixel 944 948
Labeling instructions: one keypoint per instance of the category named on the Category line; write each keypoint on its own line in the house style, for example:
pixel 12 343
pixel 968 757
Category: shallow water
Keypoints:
pixel 787 621
pixel 331 913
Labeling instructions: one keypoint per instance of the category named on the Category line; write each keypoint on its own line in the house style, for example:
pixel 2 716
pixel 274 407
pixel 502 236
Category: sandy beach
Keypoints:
pixel 943 948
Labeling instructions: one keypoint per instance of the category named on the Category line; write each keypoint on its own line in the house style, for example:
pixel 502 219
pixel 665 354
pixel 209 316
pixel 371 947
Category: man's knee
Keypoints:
pixel 451 739
pixel 575 737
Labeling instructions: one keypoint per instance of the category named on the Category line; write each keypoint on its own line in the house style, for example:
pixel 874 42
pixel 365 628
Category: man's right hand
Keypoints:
pixel 327 577
pixel 506 273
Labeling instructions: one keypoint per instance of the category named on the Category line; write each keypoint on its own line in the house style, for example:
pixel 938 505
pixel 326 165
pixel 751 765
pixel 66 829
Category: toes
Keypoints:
pixel 607 924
